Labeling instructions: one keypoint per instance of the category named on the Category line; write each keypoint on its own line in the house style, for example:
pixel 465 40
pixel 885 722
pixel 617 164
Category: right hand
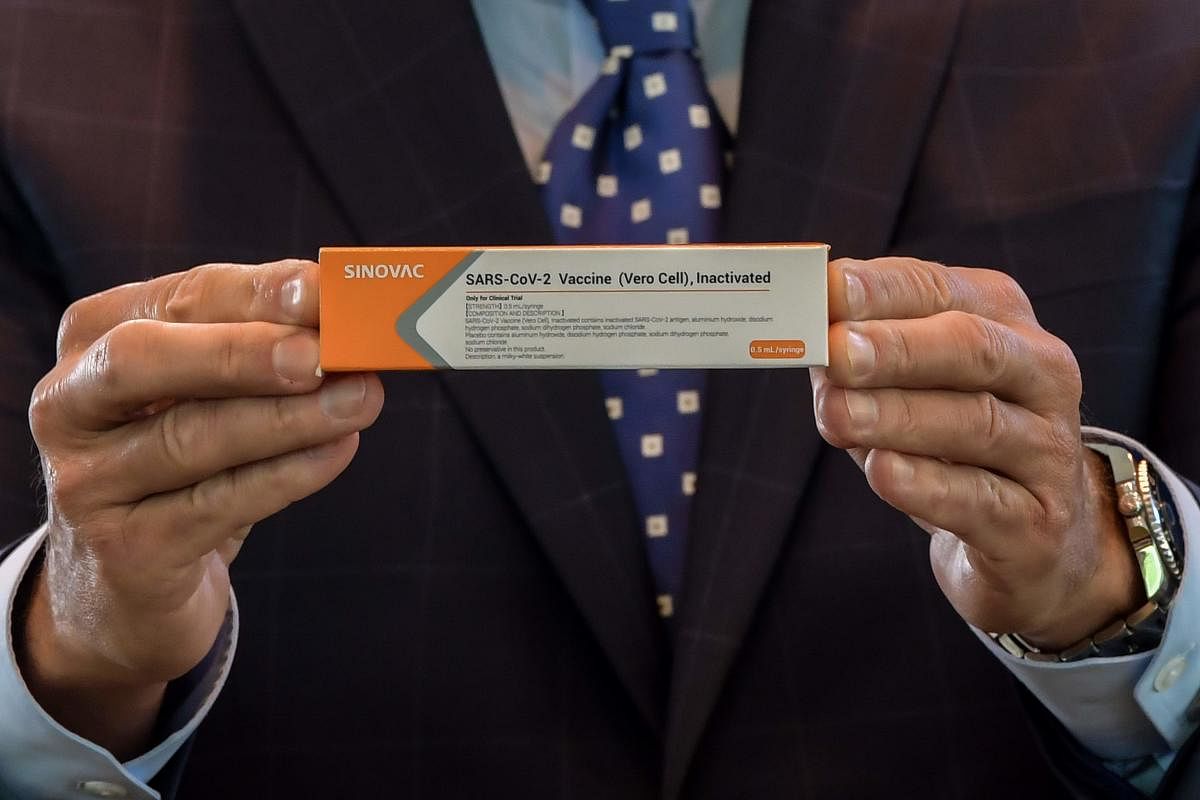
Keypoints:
pixel 182 411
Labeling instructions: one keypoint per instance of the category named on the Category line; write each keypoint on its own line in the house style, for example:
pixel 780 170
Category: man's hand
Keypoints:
pixel 964 414
pixel 181 411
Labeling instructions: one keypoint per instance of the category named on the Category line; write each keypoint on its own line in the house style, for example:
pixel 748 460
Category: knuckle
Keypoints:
pixel 283 485
pixel 901 352
pixel 44 408
pixel 1063 369
pixel 996 508
pixel 283 417
pixel 66 481
pixel 203 501
pixel 989 348
pixel 120 355
pixel 992 420
pixel 929 280
pixel 938 285
pixel 942 494
pixel 183 294
pixel 908 417
pixel 178 434
pixel 273 484
pixel 107 362
pixel 962 326
pixel 63 477
pixel 990 494
pixel 1009 292
pixel 74 492
pixel 71 321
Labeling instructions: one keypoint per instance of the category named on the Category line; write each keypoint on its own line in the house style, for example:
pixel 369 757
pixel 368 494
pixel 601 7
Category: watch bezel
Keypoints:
pixel 1158 516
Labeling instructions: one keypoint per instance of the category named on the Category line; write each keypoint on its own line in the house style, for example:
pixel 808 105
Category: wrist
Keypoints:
pixel 1150 522
pixel 86 693
pixel 1111 587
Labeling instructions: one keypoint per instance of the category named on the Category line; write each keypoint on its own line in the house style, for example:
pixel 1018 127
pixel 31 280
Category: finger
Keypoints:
pixel 907 288
pixel 142 361
pixel 979 507
pixel 819 381
pixel 284 292
pixel 192 441
pixel 182 526
pixel 959 351
pixel 976 429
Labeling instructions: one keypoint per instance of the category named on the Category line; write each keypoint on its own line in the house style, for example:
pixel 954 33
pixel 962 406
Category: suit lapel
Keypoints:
pixel 401 112
pixel 836 98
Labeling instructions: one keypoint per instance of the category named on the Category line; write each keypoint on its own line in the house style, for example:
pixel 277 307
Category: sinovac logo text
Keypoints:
pixel 354 271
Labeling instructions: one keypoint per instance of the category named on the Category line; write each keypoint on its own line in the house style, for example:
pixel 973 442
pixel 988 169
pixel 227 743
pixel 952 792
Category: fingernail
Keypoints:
pixel 860 354
pixel 292 297
pixel 856 294
pixel 343 398
pixel 902 470
pixel 863 409
pixel 295 358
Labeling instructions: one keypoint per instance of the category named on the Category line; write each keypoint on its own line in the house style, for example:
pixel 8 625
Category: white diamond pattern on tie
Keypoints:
pixel 640 159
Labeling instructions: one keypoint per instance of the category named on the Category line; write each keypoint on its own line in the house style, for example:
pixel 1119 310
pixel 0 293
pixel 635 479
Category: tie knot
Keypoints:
pixel 644 26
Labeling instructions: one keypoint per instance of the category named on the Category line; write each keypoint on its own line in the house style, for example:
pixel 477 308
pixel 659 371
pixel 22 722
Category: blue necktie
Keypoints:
pixel 640 159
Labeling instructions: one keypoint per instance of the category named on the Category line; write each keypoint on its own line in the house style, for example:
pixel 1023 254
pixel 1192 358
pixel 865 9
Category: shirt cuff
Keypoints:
pixel 41 758
pixel 1130 706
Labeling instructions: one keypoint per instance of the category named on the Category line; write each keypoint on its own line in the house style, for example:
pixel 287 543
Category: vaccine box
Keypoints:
pixel 580 307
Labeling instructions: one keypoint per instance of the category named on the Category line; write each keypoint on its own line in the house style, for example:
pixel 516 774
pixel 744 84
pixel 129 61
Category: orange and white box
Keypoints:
pixel 574 307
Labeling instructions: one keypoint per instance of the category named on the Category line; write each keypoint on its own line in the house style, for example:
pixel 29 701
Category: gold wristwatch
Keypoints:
pixel 1151 523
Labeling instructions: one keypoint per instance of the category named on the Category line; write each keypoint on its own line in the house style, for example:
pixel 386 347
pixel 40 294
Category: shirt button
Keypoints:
pixel 103 789
pixel 1169 674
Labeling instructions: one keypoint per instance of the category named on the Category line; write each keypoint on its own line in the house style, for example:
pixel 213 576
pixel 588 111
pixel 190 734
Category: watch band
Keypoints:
pixel 1142 630
pixel 1150 523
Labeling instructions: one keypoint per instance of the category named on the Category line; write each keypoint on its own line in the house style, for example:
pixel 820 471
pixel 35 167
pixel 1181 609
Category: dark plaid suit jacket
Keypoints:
pixel 466 612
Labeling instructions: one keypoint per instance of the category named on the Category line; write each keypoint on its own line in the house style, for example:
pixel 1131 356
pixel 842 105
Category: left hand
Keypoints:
pixel 964 414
